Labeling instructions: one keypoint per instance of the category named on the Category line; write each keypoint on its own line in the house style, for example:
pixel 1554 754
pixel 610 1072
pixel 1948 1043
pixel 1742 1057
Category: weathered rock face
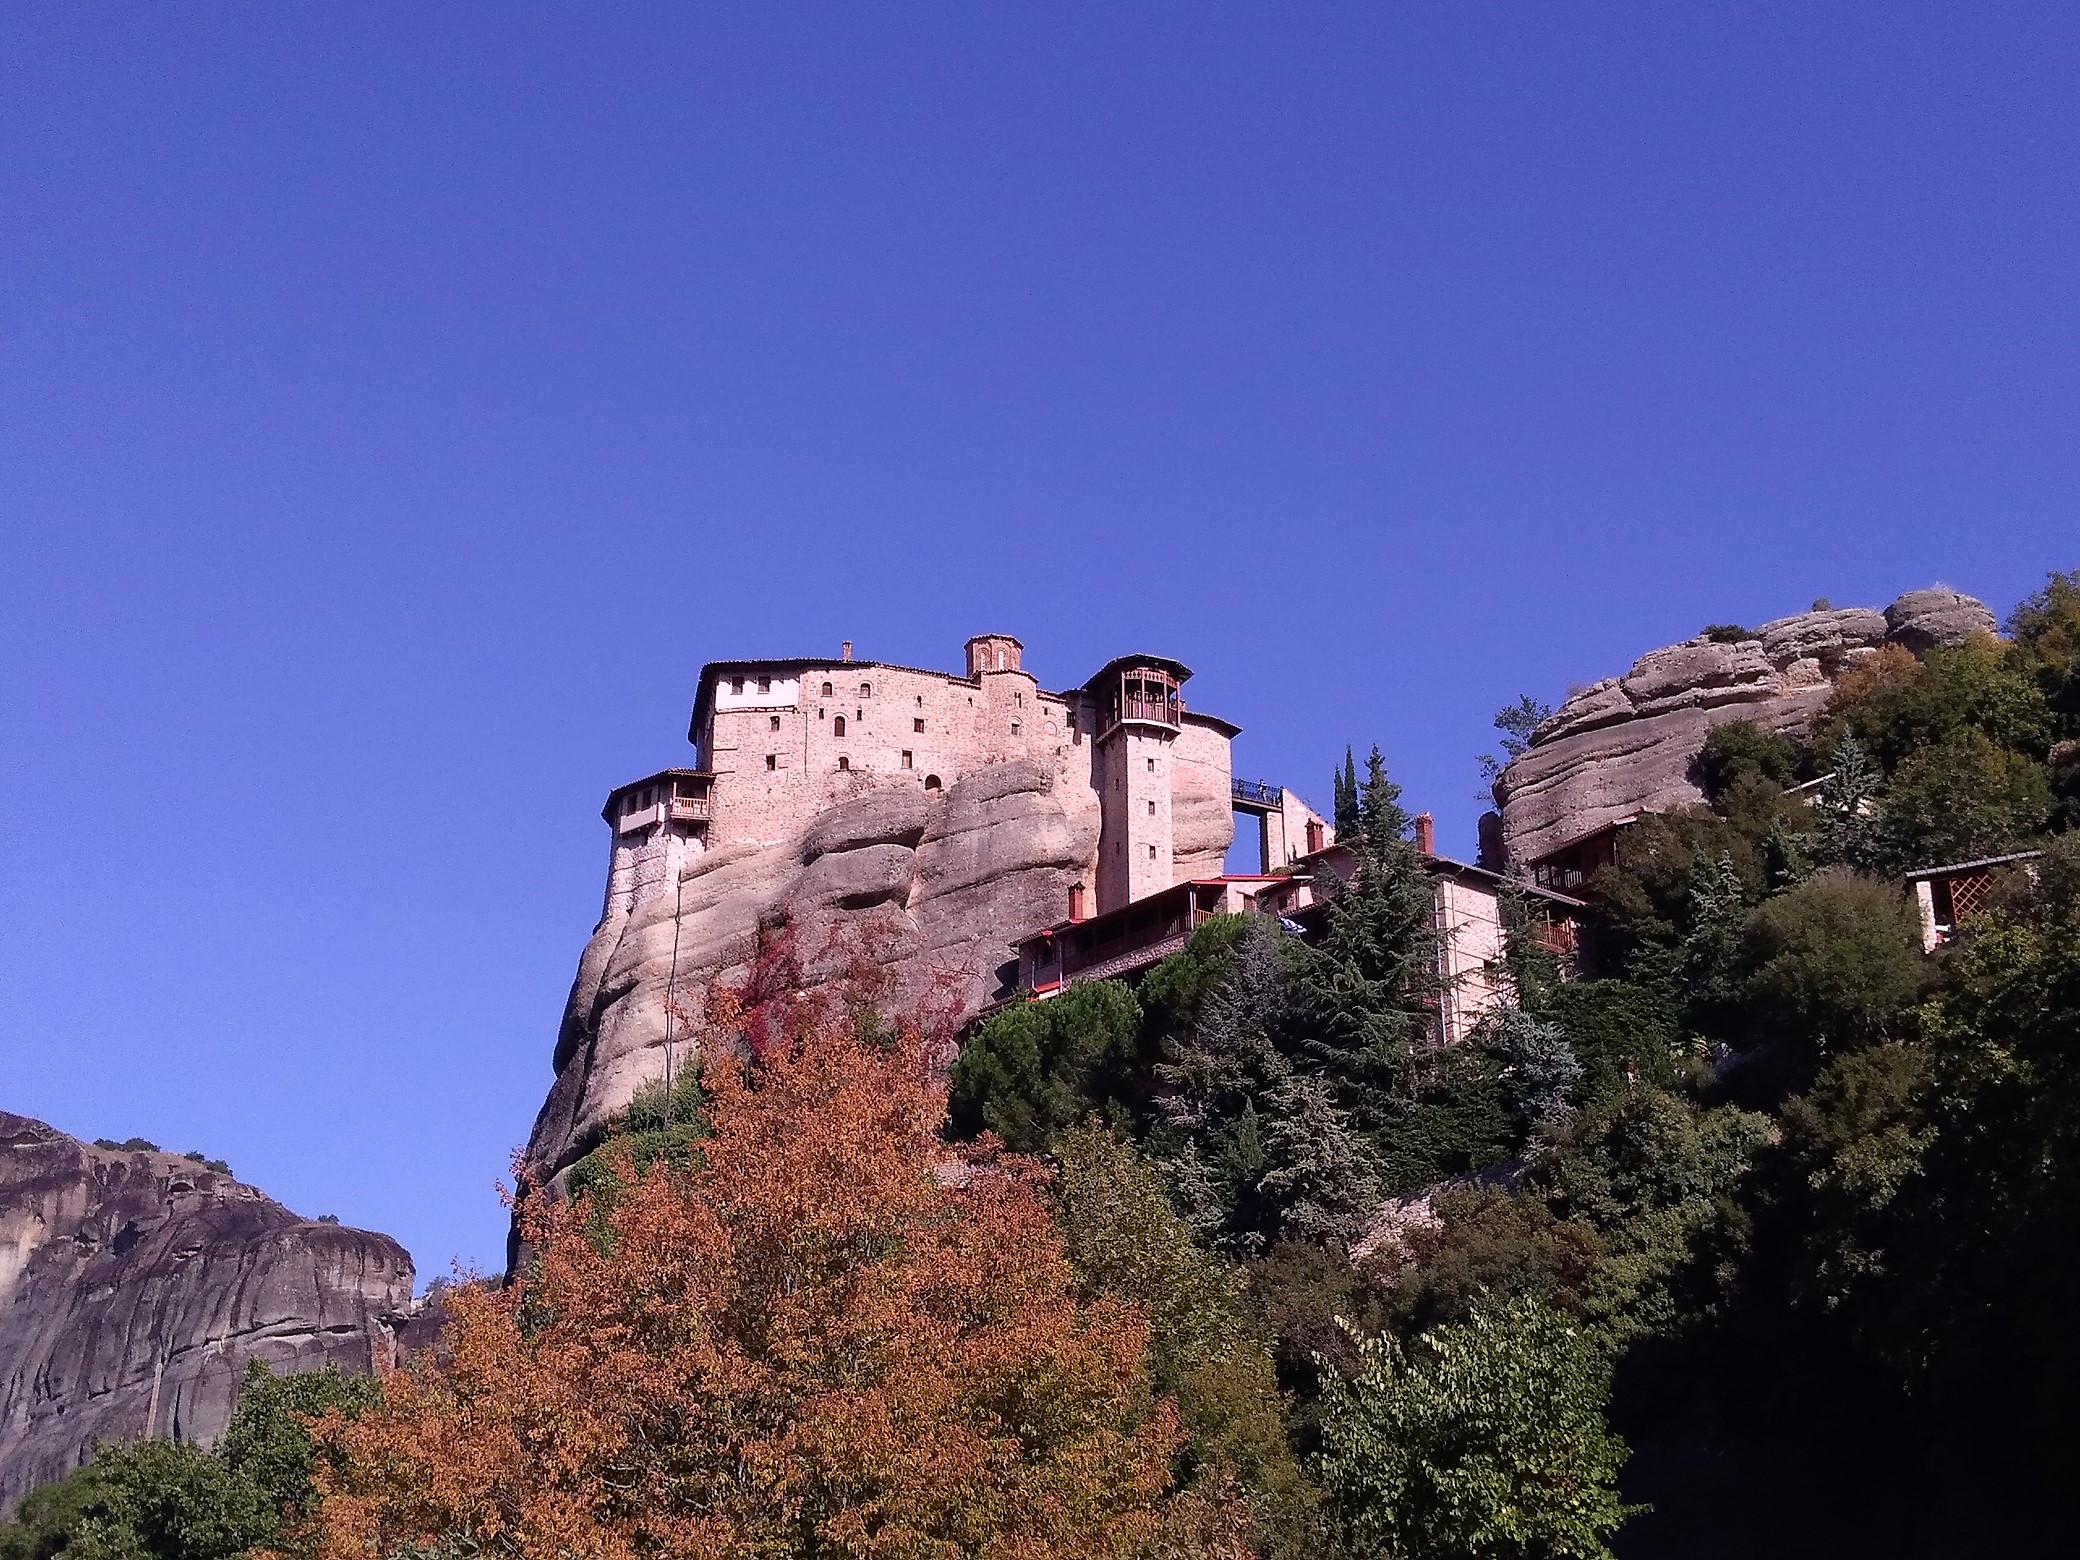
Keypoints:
pixel 135 1286
pixel 1628 744
pixel 942 882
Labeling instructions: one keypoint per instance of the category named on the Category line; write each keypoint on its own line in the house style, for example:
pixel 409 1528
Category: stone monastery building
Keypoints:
pixel 778 742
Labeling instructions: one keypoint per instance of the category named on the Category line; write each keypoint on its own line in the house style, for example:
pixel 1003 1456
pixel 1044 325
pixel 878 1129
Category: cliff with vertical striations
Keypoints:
pixel 941 883
pixel 135 1286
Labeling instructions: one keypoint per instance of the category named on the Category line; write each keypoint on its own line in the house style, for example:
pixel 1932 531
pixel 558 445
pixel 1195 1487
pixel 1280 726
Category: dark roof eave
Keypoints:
pixel 1969 866
pixel 1162 663
pixel 1587 834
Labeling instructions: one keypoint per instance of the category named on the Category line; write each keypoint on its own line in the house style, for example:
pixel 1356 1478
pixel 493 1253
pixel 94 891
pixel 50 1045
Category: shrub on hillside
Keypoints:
pixel 1039 1068
pixel 1837 961
pixel 1481 1437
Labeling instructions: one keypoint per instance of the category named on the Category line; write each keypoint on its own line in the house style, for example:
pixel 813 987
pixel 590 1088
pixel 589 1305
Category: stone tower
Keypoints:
pixel 1137 713
pixel 660 825
pixel 993 653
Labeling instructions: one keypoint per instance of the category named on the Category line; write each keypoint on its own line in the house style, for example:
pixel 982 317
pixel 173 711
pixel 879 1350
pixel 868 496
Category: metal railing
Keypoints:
pixel 1258 793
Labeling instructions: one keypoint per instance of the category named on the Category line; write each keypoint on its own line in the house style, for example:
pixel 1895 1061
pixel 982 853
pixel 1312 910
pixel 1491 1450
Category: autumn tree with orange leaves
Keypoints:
pixel 818 1337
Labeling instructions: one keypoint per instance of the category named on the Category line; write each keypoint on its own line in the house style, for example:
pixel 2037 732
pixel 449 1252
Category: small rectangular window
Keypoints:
pixel 906 758
pixel 776 722
pixel 1151 809
pixel 736 685
pixel 1151 766
pixel 765 685
pixel 772 761
pixel 917 724
pixel 1151 853
pixel 844 762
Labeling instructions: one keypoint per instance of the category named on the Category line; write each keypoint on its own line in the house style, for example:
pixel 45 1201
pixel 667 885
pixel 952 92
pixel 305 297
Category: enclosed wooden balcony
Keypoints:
pixel 1144 695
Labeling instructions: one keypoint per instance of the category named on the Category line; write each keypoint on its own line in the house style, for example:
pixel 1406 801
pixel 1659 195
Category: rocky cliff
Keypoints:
pixel 1628 744
pixel 134 1287
pixel 942 883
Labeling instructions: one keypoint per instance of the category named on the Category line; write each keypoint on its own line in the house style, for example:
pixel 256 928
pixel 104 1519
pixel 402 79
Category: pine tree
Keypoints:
pixel 1544 1072
pixel 1325 1177
pixel 1847 806
pixel 1534 970
pixel 1370 987
pixel 1209 1141
pixel 1708 959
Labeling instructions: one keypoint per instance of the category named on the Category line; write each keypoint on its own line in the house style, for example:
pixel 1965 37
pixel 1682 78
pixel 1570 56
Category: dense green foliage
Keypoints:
pixel 166 1500
pixel 1790 1205
pixel 1483 1437
pixel 1040 1067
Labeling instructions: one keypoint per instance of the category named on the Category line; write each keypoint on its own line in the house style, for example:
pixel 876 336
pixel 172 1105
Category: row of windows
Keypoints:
pixel 916 725
pixel 765 685
pixel 931 782
pixel 651 795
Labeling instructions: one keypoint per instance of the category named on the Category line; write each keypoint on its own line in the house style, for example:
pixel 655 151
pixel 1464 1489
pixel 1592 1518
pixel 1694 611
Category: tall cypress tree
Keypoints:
pixel 1345 784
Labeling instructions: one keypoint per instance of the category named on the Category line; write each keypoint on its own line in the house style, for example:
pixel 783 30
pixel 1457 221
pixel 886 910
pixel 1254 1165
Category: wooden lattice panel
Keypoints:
pixel 1969 894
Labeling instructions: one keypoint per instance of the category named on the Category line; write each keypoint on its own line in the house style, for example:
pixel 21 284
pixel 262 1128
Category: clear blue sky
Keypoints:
pixel 398 404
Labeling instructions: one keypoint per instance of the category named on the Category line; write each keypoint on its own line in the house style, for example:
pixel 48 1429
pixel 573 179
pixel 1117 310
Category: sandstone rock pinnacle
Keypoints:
pixel 134 1286
pixel 1627 744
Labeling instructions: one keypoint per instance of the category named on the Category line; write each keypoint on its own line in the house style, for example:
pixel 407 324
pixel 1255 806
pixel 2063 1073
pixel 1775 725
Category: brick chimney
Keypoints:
pixel 1426 834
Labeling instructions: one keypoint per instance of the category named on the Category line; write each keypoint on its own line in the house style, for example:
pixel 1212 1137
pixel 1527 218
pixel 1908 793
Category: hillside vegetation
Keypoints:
pixel 1756 1241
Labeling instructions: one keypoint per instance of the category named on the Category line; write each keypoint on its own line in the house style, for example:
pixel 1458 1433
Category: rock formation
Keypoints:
pixel 1628 744
pixel 134 1287
pixel 944 882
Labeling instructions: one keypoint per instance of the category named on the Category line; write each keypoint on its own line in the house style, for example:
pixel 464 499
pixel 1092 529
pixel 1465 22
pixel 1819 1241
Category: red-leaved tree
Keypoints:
pixel 818 1338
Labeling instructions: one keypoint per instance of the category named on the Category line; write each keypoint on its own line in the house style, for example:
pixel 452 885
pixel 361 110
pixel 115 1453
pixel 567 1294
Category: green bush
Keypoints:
pixel 1896 705
pixel 1039 1068
pixel 169 1500
pixel 1742 750
pixel 1960 800
pixel 1485 1437
pixel 659 1123
pixel 1622 1033
pixel 1125 1242
pixel 1488 1242
pixel 1836 961
pixel 2046 627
